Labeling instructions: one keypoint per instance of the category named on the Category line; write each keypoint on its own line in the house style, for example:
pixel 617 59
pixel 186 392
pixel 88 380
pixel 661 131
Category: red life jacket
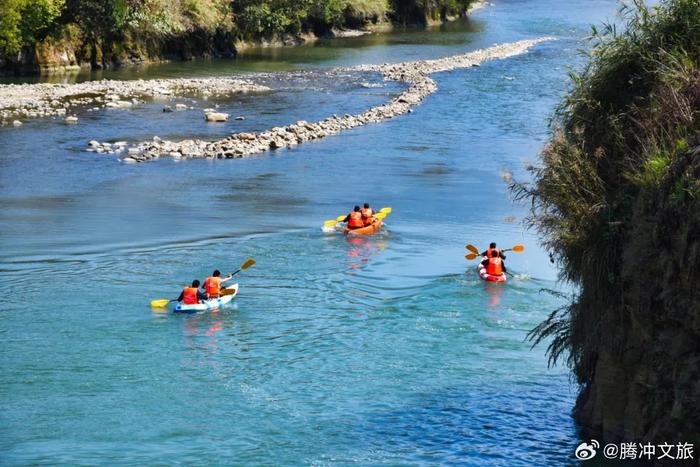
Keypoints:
pixel 367 214
pixel 189 296
pixel 495 267
pixel 213 286
pixel 355 220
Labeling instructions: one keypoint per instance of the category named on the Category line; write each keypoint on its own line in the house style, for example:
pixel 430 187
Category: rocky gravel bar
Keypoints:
pixel 46 100
pixel 415 74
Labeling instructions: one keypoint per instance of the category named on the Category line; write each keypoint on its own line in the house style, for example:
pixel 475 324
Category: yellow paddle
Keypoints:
pixel 163 302
pixel 246 265
pixel 333 222
pixel 475 252
pixel 160 303
pixel 473 249
pixel 249 262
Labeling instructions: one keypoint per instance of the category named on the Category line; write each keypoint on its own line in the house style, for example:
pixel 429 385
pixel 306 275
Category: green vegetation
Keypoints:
pixel 418 11
pixel 101 30
pixel 24 22
pixel 617 199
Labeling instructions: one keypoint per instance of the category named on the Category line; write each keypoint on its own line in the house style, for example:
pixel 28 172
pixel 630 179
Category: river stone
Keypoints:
pixel 72 119
pixel 216 117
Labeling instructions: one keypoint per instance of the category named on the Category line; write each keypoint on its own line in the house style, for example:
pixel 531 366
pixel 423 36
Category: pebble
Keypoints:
pixel 215 117
pixel 72 119
pixel 51 99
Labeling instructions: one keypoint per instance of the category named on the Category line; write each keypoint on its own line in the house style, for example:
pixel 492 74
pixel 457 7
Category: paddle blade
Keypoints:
pixel 228 291
pixel 330 223
pixel 471 256
pixel 518 248
pixel 340 218
pixel 380 215
pixel 473 249
pixel 248 263
pixel 386 210
pixel 160 303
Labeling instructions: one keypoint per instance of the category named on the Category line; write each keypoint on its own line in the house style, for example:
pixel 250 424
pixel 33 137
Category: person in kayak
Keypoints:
pixel 495 264
pixel 367 214
pixel 354 219
pixel 492 247
pixel 192 295
pixel 212 284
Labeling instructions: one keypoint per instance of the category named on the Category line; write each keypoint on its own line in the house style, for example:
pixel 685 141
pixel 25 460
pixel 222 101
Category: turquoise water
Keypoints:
pixel 384 350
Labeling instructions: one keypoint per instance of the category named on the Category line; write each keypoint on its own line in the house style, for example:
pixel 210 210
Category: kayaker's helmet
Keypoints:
pixel 492 245
pixel 195 283
pixel 366 205
pixel 357 208
pixel 216 273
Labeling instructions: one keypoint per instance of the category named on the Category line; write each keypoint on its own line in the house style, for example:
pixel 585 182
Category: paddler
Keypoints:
pixel 367 214
pixel 492 247
pixel 192 295
pixel 212 284
pixel 494 264
pixel 354 219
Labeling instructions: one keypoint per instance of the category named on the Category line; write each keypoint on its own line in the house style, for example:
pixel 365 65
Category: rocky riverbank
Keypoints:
pixel 414 74
pixel 44 100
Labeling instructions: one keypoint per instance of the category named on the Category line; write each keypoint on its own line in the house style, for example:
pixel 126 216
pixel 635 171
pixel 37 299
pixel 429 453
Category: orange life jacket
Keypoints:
pixel 490 250
pixel 213 286
pixel 355 220
pixel 367 214
pixel 189 296
pixel 495 267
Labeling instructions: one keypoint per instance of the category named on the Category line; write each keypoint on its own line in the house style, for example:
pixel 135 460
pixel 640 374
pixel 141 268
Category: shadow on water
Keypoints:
pixel 470 424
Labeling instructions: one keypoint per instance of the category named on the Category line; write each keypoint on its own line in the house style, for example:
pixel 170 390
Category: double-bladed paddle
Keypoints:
pixel 163 302
pixel 475 251
pixel 382 213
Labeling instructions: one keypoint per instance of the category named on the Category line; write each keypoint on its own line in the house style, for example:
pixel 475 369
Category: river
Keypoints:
pixel 381 350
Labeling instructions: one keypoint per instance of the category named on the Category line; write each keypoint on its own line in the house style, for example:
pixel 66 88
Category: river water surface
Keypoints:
pixel 384 350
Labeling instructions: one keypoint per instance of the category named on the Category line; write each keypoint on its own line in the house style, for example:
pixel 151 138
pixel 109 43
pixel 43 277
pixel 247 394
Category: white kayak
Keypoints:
pixel 212 304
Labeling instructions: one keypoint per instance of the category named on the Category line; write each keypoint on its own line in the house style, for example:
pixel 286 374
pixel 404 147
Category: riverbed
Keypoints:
pixel 384 350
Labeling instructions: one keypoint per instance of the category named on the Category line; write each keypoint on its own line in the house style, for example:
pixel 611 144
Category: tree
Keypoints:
pixel 25 22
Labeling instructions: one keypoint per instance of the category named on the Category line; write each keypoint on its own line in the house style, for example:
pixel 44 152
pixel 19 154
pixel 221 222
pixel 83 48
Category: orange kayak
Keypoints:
pixel 366 230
